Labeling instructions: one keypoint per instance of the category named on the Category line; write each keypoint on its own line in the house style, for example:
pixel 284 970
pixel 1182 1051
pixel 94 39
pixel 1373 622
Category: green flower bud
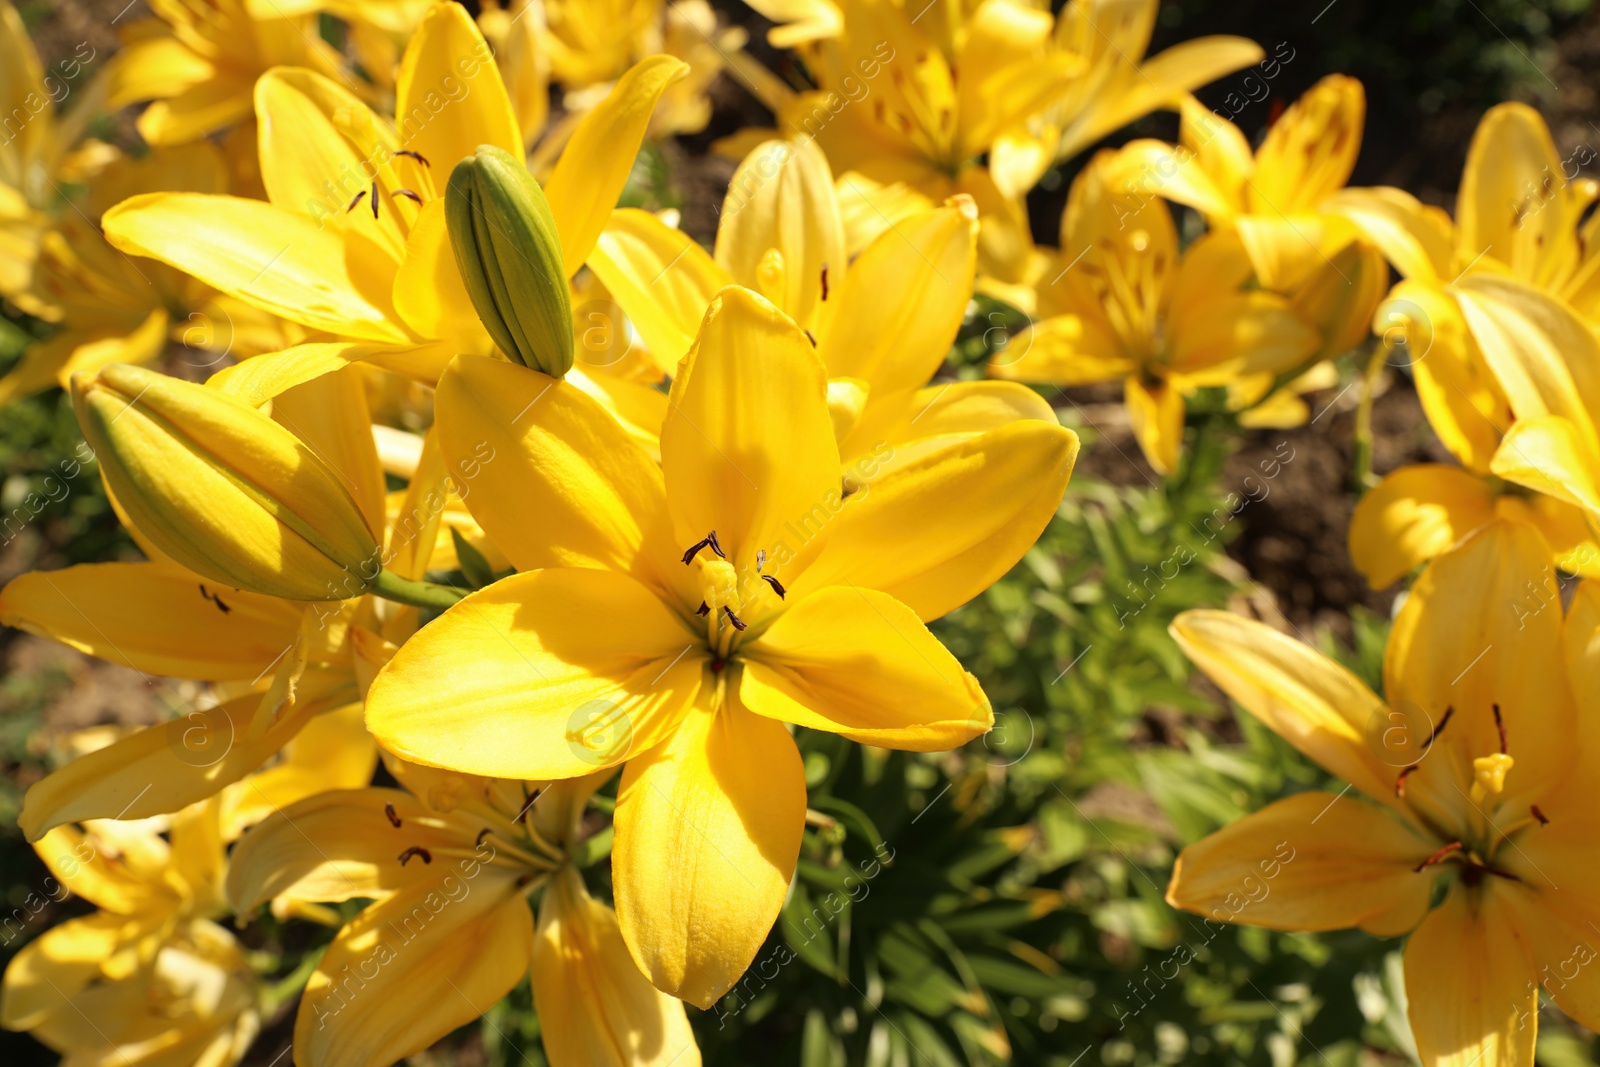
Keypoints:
pixel 223 489
pixel 509 255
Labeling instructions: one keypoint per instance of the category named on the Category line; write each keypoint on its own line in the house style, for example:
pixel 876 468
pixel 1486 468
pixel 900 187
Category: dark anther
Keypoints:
pixel 374 199
pixel 416 850
pixel 529 800
pixel 485 832
pixel 738 623
pixel 356 201
pixel 394 820
pixel 1499 724
pixel 777 586
pixel 812 338
pixel 1400 782
pixel 214 598
pixel 408 193
pixel 824 281
pixel 761 559
pixel 1438 856
pixel 1533 809
pixel 709 539
pixel 703 609
pixel 418 156
pixel 1443 722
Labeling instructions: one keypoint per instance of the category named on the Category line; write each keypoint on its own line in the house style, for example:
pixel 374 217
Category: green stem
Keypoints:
pixel 391 586
pixel 1361 478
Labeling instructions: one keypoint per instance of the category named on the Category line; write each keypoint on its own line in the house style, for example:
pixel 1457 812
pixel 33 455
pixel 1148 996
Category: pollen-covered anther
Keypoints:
pixel 708 541
pixel 408 193
pixel 1544 820
pixel 738 623
pixel 394 820
pixel 374 199
pixel 777 586
pixel 418 156
pixel 703 610
pixel 1500 727
pixel 358 198
pixel 415 850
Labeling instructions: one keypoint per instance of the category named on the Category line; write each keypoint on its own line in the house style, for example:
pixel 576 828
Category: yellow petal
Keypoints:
pixel 1513 203
pixel 662 279
pixel 1459 393
pixel 545 674
pixel 428 291
pixel 408 970
pixel 781 198
pixel 332 751
pixel 902 300
pixel 552 478
pixel 748 444
pixel 1545 357
pixel 270 258
pixel 159 769
pixel 1307 699
pixel 1548 454
pixel 594 1006
pixel 186 626
pixel 976 508
pixel 1156 412
pixel 1560 941
pixel 1482 628
pixel 1415 237
pixel 594 166
pixel 260 378
pixel 1064 350
pixel 1313 861
pixel 708 829
pixel 857 662
pixel 1413 515
pixel 1311 149
pixel 900 430
pixel 1470 985
pixel 196 112
pixel 1240 334
pixel 448 57
pixel 49 971
pixel 330 414
pixel 341 845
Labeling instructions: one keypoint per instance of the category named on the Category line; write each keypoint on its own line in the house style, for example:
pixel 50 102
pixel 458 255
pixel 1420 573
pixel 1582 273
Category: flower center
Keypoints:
pixel 724 593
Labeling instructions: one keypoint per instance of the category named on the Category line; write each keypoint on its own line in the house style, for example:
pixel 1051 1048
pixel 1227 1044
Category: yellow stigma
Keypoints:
pixel 1489 775
pixel 719 587
pixel 772 275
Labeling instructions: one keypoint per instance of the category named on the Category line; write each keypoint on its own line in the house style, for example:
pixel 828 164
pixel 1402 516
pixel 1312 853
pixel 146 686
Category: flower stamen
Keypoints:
pixel 394 820
pixel 1439 856
pixel 710 540
pixel 415 850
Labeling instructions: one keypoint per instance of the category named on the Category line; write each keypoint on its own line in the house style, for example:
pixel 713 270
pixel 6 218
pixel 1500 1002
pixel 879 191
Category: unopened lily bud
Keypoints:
pixel 223 489
pixel 509 255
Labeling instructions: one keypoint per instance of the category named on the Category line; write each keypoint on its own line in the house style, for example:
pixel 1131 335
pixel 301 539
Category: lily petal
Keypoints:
pixel 748 443
pixel 593 168
pixel 594 1006
pixel 708 829
pixel 1470 985
pixel 1413 515
pixel 857 662
pixel 977 507
pixel 1313 861
pixel 545 674
pixel 448 55
pixel 1302 696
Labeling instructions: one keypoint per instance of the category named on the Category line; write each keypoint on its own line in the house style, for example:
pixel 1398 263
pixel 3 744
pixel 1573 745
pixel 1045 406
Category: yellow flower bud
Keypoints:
pixel 509 255
pixel 223 489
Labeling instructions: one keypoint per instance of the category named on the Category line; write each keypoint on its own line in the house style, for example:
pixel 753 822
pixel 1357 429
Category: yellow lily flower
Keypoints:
pixel 150 971
pixel 914 96
pixel 352 242
pixel 114 309
pixel 34 158
pixel 1418 511
pixel 1118 301
pixel 199 60
pixel 449 866
pixel 1477 773
pixel 290 675
pixel 720 594
pixel 883 321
